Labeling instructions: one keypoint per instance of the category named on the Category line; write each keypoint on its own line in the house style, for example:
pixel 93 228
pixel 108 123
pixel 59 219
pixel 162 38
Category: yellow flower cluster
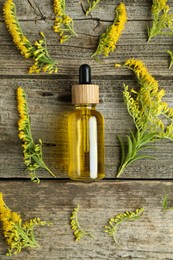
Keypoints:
pixel 162 20
pixel 63 23
pixel 23 122
pixel 152 116
pixel 18 235
pixel 146 105
pixel 42 60
pixel 108 40
pixel 37 51
pixel 142 73
pixel 22 42
pixel 159 5
pixel 32 152
pixel 78 231
pixel 114 222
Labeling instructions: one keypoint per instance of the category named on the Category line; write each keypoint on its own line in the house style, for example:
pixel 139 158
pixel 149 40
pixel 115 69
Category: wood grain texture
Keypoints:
pixel 49 99
pixel 150 237
pixel 133 42
pixel 49 105
pixel 38 10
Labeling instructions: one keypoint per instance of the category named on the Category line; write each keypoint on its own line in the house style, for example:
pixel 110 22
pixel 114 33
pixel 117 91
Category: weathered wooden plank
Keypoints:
pixel 36 9
pixel 39 10
pixel 50 103
pixel 79 50
pixel 135 33
pixel 150 237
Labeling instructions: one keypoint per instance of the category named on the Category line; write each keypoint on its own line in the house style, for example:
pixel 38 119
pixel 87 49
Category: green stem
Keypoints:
pixel 41 163
pixel 71 30
pixel 46 60
pixel 122 168
pixel 114 238
pixel 92 6
pixel 90 234
pixel 46 168
pixel 167 209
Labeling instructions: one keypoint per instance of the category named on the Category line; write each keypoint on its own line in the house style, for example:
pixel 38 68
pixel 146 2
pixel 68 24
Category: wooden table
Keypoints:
pixel 143 184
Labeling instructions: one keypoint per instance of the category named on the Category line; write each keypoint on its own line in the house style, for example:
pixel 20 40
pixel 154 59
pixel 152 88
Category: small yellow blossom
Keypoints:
pixel 63 24
pixel 32 152
pixel 108 40
pixel 22 43
pixel 114 222
pixel 117 65
pixel 37 51
pixel 18 235
pixel 77 230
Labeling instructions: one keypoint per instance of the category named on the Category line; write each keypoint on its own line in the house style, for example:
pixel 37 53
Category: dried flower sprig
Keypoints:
pixel 33 158
pixel 152 116
pixel 78 231
pixel 165 203
pixel 92 6
pixel 17 234
pixel 163 21
pixel 63 23
pixel 108 40
pixel 38 51
pixel 113 223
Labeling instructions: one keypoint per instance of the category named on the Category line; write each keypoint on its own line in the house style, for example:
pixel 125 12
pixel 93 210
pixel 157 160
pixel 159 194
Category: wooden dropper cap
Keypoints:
pixel 85 92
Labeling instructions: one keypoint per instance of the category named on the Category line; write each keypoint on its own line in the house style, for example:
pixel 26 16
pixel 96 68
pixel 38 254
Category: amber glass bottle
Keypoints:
pixel 86 131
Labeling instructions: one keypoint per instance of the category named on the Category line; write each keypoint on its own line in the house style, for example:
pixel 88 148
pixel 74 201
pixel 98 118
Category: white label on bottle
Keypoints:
pixel 93 147
pixel 78 148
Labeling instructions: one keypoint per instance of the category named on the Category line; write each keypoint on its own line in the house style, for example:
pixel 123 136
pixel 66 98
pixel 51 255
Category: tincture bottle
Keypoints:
pixel 85 131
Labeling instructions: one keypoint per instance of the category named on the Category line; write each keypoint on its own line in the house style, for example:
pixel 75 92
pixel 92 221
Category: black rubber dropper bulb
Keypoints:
pixel 85 74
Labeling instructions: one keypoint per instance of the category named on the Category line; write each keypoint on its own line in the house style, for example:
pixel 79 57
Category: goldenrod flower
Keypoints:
pixel 114 222
pixel 32 152
pixel 162 20
pixel 63 24
pixel 108 40
pixel 152 116
pixel 78 231
pixel 37 51
pixel 18 235
pixel 22 43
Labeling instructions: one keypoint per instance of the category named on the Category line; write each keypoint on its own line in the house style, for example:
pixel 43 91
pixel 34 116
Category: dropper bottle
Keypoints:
pixel 85 131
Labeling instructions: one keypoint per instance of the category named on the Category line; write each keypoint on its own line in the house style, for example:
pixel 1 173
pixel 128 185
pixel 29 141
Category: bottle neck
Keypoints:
pixel 85 106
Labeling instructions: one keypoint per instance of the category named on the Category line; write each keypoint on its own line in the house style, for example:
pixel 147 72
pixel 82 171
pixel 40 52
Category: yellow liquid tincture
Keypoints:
pixel 85 131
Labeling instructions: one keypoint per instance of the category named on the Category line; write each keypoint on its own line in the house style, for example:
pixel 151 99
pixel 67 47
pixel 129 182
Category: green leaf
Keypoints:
pixel 146 139
pixel 140 157
pixel 122 149
pixel 146 147
pixel 165 201
pixel 130 148
pixel 133 138
pixel 171 59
